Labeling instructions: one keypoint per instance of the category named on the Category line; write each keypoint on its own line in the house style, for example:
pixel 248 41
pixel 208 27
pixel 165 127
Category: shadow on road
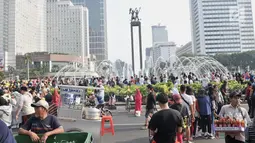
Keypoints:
pixel 139 140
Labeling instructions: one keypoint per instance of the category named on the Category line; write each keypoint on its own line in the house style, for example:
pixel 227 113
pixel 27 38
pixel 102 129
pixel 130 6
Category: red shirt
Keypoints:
pixel 248 91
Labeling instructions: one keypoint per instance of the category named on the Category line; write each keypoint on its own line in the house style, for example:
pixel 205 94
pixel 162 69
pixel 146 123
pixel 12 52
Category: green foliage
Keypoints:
pixel 161 88
pixel 242 60
pixel 196 87
pixel 143 90
pixel 234 85
pixel 89 91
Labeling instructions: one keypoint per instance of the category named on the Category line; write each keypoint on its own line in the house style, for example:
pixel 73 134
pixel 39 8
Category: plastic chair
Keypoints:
pixel 107 130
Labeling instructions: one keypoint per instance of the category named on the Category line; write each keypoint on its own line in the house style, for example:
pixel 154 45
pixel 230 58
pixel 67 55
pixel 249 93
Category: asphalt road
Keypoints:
pixel 127 128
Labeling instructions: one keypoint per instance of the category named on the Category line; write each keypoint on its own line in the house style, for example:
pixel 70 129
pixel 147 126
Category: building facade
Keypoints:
pixel 185 50
pixel 166 51
pixel 53 62
pixel 159 34
pixel 97 27
pixel 22 29
pixel 67 28
pixel 221 26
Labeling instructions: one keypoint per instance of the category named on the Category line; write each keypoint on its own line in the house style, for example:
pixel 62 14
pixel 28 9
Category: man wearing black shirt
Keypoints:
pixel 165 123
pixel 150 106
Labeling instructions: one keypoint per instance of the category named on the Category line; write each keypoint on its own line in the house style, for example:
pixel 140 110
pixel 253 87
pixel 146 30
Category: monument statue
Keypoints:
pixel 134 14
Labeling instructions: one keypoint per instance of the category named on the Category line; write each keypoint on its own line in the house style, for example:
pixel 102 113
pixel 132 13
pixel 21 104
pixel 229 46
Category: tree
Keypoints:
pixel 1 75
pixel 241 60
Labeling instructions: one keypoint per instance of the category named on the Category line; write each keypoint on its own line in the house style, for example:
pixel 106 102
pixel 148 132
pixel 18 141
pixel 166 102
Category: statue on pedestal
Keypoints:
pixel 134 14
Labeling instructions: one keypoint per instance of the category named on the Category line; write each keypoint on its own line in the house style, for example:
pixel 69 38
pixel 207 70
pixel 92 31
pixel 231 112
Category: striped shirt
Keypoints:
pixel 53 110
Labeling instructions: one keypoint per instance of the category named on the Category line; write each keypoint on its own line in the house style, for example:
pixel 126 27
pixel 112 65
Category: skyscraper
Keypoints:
pixel 159 34
pixel 67 28
pixel 97 27
pixel 22 29
pixel 222 26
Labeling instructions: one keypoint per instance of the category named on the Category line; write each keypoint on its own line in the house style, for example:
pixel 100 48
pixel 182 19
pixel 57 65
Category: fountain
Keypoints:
pixel 105 68
pixel 199 65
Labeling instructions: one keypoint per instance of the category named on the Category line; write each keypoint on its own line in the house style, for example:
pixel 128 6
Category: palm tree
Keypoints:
pixel 27 61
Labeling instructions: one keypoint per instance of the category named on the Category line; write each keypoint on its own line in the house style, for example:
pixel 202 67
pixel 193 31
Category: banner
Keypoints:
pixel 71 95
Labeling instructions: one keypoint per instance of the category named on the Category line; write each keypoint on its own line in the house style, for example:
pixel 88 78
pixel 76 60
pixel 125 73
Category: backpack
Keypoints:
pixel 184 118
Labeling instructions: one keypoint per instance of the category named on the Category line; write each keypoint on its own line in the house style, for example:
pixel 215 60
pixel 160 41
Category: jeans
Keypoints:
pixel 249 105
pixel 206 123
pixel 252 107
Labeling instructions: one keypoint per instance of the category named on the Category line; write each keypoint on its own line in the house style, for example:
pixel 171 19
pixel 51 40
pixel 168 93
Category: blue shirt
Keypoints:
pixel 5 134
pixel 38 126
pixel 205 106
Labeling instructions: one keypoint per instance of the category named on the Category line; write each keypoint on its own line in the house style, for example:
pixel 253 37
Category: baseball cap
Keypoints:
pixel 41 103
pixel 235 93
pixel 177 98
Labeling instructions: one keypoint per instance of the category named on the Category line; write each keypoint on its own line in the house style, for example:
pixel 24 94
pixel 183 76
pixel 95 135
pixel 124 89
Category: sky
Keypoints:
pixel 175 14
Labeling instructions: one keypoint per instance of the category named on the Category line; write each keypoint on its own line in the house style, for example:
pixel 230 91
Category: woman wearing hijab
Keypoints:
pixel 138 101
pixel 56 99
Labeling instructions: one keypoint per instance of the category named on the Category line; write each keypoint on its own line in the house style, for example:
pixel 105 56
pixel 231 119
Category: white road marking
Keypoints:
pixel 131 124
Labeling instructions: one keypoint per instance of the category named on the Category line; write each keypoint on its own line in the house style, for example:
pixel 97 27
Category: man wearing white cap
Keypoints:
pixel 41 123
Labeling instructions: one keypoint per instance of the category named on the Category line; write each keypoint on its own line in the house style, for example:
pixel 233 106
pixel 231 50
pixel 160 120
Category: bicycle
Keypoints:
pixel 103 110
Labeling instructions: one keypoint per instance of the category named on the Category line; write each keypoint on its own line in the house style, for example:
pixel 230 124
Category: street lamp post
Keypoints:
pixel 27 60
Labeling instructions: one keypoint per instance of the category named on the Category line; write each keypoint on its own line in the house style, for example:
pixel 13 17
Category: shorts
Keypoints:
pixel 148 112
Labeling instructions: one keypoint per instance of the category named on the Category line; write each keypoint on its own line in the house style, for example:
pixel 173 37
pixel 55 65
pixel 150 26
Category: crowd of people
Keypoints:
pixel 197 111
pixel 33 107
pixel 30 107
pixel 181 119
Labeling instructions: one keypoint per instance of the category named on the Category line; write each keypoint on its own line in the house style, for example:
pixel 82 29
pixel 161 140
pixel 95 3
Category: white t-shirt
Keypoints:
pixel 189 100
pixel 101 92
pixel 25 103
pixel 205 82
pixel 177 81
pixel 194 101
pixel 141 80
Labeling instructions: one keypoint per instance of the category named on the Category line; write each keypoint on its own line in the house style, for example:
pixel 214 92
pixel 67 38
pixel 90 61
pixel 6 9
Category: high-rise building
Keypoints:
pixel 67 28
pixel 159 34
pixel 165 50
pixel 222 26
pixel 97 27
pixel 185 50
pixel 22 29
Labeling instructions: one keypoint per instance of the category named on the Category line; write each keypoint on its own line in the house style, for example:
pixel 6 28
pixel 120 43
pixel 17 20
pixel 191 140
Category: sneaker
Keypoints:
pixel 204 135
pixel 210 136
pixel 197 135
